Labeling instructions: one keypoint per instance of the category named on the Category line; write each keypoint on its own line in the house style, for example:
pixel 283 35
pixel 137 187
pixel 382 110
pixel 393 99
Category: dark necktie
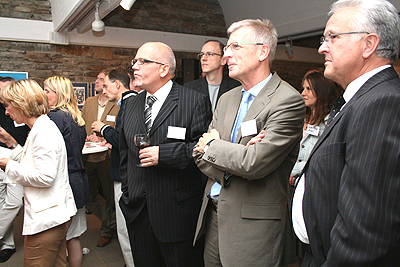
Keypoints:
pixel 335 109
pixel 147 111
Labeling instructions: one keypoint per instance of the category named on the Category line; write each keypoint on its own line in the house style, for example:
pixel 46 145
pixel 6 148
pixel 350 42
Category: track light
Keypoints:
pixel 127 4
pixel 98 24
pixel 289 47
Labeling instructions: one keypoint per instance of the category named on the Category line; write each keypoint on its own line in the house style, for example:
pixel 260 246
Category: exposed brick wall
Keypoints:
pixel 83 63
pixel 199 17
pixel 78 63
pixel 26 9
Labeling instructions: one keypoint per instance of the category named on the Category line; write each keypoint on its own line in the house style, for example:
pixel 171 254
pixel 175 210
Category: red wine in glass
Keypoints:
pixel 141 141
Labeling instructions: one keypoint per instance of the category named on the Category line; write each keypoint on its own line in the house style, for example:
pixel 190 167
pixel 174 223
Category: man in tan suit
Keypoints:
pixel 245 213
pixel 101 188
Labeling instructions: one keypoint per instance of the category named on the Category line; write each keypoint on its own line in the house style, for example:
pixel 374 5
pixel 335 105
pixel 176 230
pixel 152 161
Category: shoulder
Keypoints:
pixel 195 83
pixel 231 82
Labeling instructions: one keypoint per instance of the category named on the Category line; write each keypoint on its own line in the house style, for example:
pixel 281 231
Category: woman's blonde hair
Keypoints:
pixel 27 96
pixel 66 100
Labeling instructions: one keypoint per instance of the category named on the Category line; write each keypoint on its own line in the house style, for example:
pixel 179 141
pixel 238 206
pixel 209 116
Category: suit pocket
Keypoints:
pixel 333 149
pixel 188 193
pixel 261 212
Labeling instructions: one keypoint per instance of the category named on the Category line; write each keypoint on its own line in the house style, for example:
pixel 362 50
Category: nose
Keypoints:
pixel 227 54
pixel 135 66
pixel 323 48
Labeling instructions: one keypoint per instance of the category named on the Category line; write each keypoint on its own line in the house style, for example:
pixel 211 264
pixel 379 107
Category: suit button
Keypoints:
pixel 299 160
pixel 303 146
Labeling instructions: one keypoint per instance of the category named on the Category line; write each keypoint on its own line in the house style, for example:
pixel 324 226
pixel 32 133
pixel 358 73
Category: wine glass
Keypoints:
pixel 141 141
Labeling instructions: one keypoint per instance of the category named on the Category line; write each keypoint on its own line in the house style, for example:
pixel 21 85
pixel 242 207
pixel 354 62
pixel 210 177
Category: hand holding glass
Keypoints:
pixel 141 141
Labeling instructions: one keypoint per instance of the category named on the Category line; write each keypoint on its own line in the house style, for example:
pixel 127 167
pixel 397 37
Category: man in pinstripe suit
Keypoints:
pixel 161 200
pixel 351 183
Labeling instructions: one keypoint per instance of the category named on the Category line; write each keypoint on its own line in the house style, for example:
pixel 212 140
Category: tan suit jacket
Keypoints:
pixel 89 114
pixel 254 226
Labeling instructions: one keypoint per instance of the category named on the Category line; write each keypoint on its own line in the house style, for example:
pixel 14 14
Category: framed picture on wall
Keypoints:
pixel 92 91
pixel 81 93
pixel 14 74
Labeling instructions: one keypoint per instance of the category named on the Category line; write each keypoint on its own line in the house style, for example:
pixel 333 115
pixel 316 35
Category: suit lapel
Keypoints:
pixel 203 87
pixel 170 103
pixel 382 76
pixel 260 102
pixel 109 106
pixel 230 116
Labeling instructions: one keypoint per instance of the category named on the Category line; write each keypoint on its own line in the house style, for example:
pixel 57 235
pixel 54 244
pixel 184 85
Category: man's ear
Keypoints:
pixel 370 45
pixel 164 70
pixel 264 52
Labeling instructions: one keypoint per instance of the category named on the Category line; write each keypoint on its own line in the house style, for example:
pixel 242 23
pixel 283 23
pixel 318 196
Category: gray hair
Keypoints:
pixel 378 16
pixel 263 31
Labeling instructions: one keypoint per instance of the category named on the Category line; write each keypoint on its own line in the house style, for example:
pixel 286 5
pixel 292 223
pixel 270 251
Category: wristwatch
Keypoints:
pixel 13 146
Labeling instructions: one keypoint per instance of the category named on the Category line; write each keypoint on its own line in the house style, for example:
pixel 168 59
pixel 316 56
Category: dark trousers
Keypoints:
pixel 148 251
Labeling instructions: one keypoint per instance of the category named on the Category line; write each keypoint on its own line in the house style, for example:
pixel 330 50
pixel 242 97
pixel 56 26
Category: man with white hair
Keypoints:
pixel 245 213
pixel 346 205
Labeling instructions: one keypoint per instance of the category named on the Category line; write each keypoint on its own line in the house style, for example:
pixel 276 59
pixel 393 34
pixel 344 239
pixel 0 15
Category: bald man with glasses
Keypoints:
pixel 214 83
pixel 161 198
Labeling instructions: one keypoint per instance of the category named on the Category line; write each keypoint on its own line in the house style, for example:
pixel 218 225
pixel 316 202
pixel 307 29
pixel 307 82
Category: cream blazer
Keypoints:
pixel 41 168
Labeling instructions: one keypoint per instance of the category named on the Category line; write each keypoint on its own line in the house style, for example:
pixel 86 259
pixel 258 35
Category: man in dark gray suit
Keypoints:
pixel 214 83
pixel 346 205
pixel 161 200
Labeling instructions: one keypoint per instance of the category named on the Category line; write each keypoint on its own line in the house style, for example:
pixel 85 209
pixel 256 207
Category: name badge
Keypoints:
pixel 313 130
pixel 248 128
pixel 110 118
pixel 176 132
pixel 18 124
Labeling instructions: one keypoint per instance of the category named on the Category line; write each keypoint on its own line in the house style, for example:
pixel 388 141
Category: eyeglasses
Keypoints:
pixel 332 36
pixel 141 61
pixel 237 45
pixel 208 54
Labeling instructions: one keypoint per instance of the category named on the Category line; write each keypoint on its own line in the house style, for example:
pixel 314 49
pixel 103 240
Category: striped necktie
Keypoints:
pixel 147 111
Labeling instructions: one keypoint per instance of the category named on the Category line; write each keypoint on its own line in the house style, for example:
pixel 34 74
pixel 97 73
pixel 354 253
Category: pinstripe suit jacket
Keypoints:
pixel 172 190
pixel 352 188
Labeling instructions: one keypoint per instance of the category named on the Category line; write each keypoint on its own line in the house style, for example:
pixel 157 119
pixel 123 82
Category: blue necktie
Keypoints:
pixel 244 106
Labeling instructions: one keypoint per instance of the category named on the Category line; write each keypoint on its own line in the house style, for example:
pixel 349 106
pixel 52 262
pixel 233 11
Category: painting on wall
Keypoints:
pixel 81 93
pixel 14 74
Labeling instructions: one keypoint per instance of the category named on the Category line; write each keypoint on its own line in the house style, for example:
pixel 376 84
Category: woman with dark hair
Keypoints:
pixel 41 168
pixel 319 94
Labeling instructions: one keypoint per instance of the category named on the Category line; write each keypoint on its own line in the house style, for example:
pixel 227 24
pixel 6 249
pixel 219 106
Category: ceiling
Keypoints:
pixel 301 20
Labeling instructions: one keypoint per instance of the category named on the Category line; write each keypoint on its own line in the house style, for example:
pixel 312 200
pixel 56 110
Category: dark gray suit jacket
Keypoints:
pixel 201 85
pixel 172 190
pixel 351 202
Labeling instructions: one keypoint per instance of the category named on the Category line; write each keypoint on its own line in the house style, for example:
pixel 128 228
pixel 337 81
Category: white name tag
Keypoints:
pixel 313 130
pixel 110 118
pixel 18 125
pixel 248 128
pixel 176 132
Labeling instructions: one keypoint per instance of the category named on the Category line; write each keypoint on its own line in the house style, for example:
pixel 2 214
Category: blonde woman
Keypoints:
pixel 67 116
pixel 41 168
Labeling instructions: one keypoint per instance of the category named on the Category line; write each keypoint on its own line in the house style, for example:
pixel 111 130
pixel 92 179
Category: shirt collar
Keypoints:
pixel 258 87
pixel 355 85
pixel 162 93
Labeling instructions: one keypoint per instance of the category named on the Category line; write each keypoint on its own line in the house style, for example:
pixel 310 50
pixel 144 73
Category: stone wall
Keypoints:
pixel 26 9
pixel 199 17
pixel 83 63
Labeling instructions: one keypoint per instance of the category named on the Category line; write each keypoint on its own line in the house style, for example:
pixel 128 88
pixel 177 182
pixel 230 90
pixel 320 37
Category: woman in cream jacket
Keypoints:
pixel 41 168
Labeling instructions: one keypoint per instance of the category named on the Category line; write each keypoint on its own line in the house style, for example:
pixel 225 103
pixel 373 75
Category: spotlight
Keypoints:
pixel 289 47
pixel 98 24
pixel 127 4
